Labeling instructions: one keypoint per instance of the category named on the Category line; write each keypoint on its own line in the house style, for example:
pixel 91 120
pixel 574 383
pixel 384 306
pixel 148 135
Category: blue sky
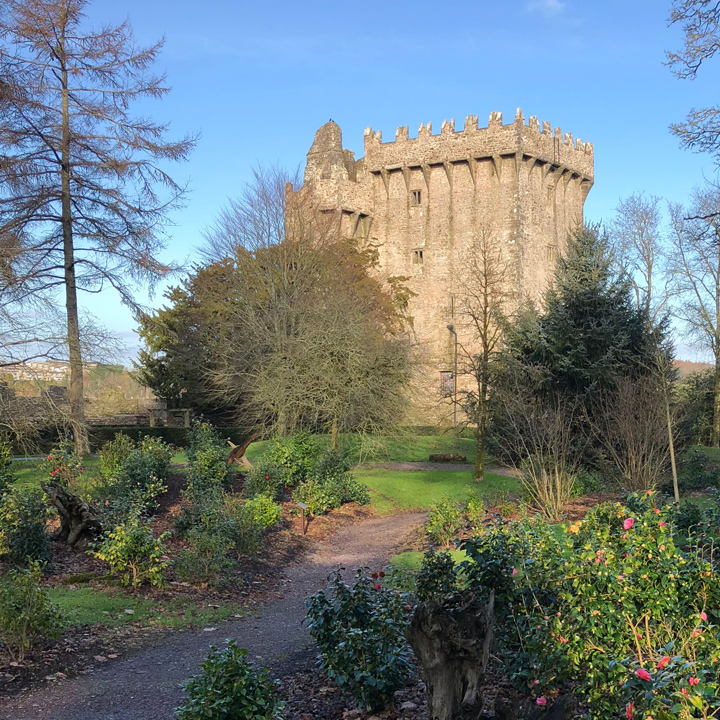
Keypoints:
pixel 257 79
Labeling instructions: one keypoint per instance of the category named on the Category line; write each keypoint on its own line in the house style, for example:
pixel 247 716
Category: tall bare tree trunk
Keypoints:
pixel 480 432
pixel 716 405
pixel 77 404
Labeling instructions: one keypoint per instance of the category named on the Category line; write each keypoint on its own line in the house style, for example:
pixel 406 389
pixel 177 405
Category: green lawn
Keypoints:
pixel 29 474
pixel 412 560
pixel 396 491
pixel 88 605
pixel 399 448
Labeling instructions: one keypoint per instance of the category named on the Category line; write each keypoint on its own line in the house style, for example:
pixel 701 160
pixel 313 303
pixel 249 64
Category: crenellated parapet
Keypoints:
pixel 528 140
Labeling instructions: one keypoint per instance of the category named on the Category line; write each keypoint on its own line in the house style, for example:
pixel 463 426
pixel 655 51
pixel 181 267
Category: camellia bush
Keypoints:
pixel 360 630
pixel 622 610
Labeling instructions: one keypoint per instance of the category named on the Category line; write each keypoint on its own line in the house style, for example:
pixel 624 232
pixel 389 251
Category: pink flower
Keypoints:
pixel 685 691
pixel 541 701
pixel 657 511
pixel 629 710
pixel 662 523
pixel 643 674
pixel 703 616
pixel 629 522
pixel 662 547
pixel 662 662
pixel 693 681
pixel 514 572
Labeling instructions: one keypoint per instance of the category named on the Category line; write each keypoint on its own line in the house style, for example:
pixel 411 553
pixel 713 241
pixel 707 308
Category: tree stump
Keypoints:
pixel 79 521
pixel 453 644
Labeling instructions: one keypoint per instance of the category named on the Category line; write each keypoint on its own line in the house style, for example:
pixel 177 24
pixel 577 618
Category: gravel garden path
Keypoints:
pixel 144 684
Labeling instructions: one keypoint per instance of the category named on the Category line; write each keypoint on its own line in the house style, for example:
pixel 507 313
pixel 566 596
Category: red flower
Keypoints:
pixel 629 710
pixel 374 576
pixel 267 477
pixel 629 522
pixel 381 574
pixel 693 681
pixel 643 674
pixel 541 701
pixel 408 607
pixel 377 587
pixel 662 662
pixel 662 523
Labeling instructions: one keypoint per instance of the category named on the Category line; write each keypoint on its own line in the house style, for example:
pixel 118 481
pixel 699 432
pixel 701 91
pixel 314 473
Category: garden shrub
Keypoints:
pixel 263 511
pixel 132 552
pixel 588 610
pixel 23 517
pixel 332 487
pixel 265 478
pixel 686 515
pixel 114 453
pixel 474 511
pixel 7 476
pixel 244 522
pixel 26 612
pixel 695 472
pixel 444 522
pixel 209 467
pixel 229 688
pixel 360 631
pixel 141 478
pixel 437 577
pixel 201 436
pixel 297 456
pixel 206 559
pixel 63 465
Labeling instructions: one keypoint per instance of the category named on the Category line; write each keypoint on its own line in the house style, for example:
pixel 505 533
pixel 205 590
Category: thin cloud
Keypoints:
pixel 546 7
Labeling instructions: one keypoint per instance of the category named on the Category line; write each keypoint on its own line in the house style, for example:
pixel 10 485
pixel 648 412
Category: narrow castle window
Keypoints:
pixel 551 253
pixel 415 197
pixel 447 385
pixel 417 257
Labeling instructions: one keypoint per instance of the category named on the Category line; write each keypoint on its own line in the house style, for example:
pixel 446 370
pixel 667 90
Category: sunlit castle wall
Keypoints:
pixel 423 201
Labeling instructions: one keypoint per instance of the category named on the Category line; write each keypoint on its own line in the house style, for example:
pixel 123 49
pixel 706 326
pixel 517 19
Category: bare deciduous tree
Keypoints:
pixel 700 22
pixel 695 275
pixel 639 251
pixel 484 295
pixel 80 207
pixel 632 426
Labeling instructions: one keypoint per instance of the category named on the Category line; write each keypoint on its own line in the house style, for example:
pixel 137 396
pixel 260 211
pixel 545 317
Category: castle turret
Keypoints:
pixel 326 159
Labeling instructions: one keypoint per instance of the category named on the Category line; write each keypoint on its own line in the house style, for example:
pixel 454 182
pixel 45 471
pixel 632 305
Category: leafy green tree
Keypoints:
pixel 589 332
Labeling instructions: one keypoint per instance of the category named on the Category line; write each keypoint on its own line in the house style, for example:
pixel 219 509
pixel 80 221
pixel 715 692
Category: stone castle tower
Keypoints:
pixel 421 201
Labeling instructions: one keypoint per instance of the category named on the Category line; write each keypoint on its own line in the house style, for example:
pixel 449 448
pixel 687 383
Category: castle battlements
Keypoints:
pixel 423 203
pixel 473 142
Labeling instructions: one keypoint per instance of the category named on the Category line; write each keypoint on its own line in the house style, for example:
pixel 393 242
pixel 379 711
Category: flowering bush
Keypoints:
pixel 592 609
pixel 265 478
pixel 63 465
pixel 360 630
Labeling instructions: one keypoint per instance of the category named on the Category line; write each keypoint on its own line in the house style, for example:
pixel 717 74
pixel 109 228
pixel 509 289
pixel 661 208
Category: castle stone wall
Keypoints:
pixel 423 201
